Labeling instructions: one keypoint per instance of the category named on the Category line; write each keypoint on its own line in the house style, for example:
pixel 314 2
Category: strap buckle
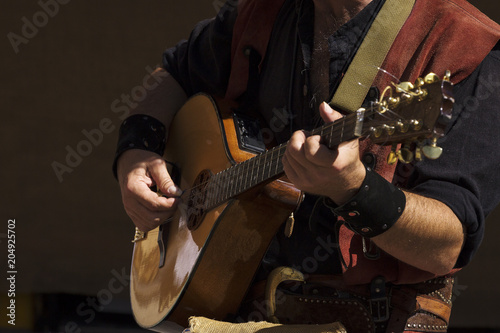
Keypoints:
pixel 379 302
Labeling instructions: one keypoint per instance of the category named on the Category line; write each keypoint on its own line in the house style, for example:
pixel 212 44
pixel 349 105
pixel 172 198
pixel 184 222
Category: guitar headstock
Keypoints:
pixel 413 115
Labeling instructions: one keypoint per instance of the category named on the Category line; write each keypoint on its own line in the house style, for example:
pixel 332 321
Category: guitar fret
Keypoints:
pixel 237 185
pixel 214 188
pixel 270 164
pixel 244 180
pixel 264 167
pixel 225 191
pixel 256 179
pixel 231 182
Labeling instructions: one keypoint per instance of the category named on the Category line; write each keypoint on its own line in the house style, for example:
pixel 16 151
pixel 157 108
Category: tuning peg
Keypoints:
pixel 418 152
pixel 389 129
pixel 393 101
pixel 431 78
pixel 405 87
pixel 405 155
pixel 402 127
pixel 376 131
pixel 432 151
pixel 419 82
pixel 447 76
pixel 416 124
pixel 392 158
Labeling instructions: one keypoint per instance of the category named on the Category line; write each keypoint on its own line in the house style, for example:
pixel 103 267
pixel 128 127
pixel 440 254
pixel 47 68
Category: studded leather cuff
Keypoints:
pixel 374 209
pixel 140 132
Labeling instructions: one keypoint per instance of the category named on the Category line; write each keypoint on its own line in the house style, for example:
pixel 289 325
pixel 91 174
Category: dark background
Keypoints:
pixel 62 84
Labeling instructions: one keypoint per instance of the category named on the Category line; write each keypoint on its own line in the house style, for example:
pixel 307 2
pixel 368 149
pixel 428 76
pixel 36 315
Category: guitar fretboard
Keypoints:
pixel 267 166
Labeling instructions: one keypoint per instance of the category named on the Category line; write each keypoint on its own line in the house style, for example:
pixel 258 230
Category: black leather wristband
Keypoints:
pixel 374 209
pixel 140 131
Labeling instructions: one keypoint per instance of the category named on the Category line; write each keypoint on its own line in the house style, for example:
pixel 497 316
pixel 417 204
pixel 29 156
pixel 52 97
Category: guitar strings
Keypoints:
pixel 238 172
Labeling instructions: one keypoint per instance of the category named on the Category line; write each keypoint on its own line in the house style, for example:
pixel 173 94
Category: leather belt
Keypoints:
pixel 423 307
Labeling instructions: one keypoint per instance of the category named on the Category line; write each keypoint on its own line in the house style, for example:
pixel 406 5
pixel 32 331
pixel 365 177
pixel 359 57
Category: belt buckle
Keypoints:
pixel 379 302
pixel 379 308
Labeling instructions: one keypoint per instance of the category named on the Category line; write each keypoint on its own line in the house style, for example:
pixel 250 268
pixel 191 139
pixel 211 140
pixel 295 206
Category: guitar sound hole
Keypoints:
pixel 197 200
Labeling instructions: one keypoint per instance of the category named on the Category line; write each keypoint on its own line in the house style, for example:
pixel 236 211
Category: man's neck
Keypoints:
pixel 342 10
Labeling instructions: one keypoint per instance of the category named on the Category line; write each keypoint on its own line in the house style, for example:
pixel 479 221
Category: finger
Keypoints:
pixel 295 150
pixel 328 114
pixel 289 169
pixel 158 172
pixel 146 209
pixel 295 168
pixel 146 220
pixel 140 191
pixel 318 153
pixel 296 142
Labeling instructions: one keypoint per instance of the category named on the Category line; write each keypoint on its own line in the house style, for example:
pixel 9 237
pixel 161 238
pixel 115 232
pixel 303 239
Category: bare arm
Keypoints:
pixel 163 101
pixel 427 235
pixel 138 170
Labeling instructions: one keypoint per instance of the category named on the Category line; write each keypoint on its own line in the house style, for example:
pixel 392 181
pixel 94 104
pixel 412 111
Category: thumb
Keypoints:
pixel 158 171
pixel 328 114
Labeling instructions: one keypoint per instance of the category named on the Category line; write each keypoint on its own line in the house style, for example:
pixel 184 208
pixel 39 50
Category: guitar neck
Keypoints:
pixel 267 166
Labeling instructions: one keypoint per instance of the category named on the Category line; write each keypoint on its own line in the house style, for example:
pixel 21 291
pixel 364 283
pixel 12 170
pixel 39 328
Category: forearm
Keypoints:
pixel 139 168
pixel 163 101
pixel 428 235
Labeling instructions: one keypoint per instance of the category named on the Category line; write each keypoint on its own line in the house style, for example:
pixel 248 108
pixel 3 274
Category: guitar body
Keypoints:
pixel 203 260
pixel 178 271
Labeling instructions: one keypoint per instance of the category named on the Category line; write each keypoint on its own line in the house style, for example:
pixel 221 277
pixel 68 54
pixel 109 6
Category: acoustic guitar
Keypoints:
pixel 202 261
